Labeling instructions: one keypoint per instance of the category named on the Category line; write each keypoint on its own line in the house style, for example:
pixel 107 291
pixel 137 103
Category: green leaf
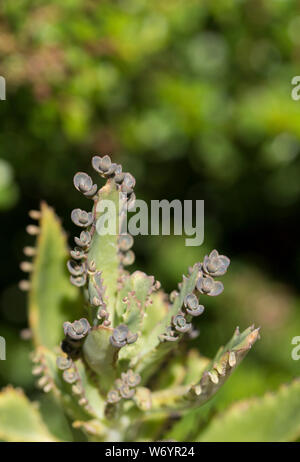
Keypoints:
pixel 136 288
pixel 91 391
pixel 20 420
pixel 216 374
pixel 104 245
pixel 63 391
pixel 187 425
pixel 94 429
pixel 225 362
pixel 274 417
pixel 151 315
pixel 152 351
pixel 183 369
pixel 52 299
pixel 101 356
pixel 188 286
pixel 55 418
pixel 154 312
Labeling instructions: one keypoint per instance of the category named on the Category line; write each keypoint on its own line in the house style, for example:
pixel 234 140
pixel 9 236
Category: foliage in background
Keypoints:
pixel 208 82
pixel 194 99
pixel 8 187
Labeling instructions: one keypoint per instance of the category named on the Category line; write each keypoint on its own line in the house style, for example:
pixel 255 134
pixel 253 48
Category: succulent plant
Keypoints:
pixel 105 340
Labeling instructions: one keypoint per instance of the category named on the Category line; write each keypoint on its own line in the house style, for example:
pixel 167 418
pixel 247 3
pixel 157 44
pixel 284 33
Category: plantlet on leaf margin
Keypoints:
pixel 122 327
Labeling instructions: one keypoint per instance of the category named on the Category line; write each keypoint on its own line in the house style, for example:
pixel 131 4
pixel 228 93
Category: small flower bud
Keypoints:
pixel 33 230
pixel 63 362
pixel 29 251
pixel 77 330
pixel 82 218
pixel 113 397
pixel 84 183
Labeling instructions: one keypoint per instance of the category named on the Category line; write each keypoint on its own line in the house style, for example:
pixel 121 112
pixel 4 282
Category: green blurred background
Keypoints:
pixel 192 97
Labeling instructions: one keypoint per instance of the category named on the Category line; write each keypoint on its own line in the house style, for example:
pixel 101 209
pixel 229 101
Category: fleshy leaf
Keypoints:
pixel 63 391
pixel 273 418
pixel 20 420
pixel 103 250
pixel 101 356
pixel 155 312
pixel 132 299
pixel 55 418
pixel 196 394
pixel 52 299
pixel 152 350
pixel 182 369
